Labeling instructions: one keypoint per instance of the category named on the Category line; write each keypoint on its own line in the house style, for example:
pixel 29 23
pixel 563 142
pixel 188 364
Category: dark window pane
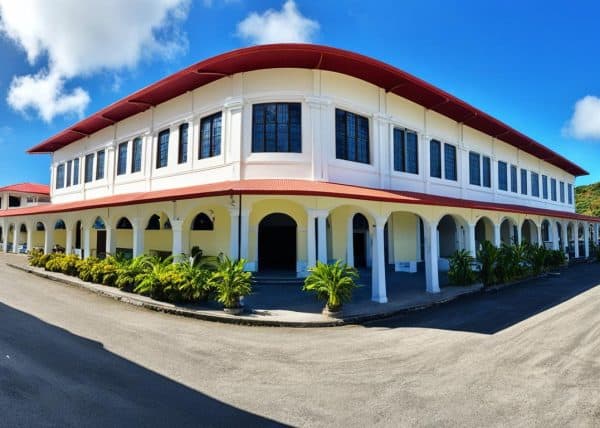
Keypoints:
pixel 523 181
pixel 162 152
pixel 562 192
pixel 487 173
pixel 399 149
pixel 89 168
pixel 535 185
pixel 136 155
pixel 570 193
pixel 183 143
pixel 69 167
pixel 502 176
pixel 450 169
pixel 75 172
pixel 122 159
pixel 412 153
pixel 513 179
pixel 553 189
pixel 100 165
pixel 545 186
pixel 210 136
pixel 352 137
pixel 474 169
pixel 340 134
pixel 435 158
pixel 60 176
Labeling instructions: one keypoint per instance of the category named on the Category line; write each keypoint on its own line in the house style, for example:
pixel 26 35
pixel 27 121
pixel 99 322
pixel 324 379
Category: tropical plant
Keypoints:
pixel 63 263
pixel 159 279
pixel 35 257
pixel 128 271
pixel 85 268
pixel 487 256
pixel 196 285
pixel 536 257
pixel 231 282
pixel 333 283
pixel 461 271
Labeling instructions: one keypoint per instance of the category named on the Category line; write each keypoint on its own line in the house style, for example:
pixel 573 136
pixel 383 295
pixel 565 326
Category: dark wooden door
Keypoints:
pixel 101 243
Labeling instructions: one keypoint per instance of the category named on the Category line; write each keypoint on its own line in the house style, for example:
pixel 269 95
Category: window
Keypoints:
pixel 210 136
pixel 570 193
pixel 89 168
pixel 474 169
pixel 69 168
pixel 502 176
pixel 406 156
pixel 351 136
pixel 183 143
pixel 553 189
pixel 60 176
pixel 523 181
pixel 513 179
pixel 562 192
pixel 435 158
pixel 276 127
pixel 100 165
pixel 450 162
pixel 162 150
pixel 153 223
pixel 14 201
pixel 75 172
pixel 122 158
pixel 535 185
pixel 545 186
pixel 136 155
pixel 487 171
pixel 202 222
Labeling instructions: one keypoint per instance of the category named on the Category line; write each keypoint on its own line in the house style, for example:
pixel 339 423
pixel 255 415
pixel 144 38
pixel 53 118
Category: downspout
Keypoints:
pixel 239 227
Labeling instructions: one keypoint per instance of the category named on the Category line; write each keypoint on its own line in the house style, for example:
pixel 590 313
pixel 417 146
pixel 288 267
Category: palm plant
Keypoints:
pixel 231 282
pixel 155 277
pixel 460 272
pixel 333 283
pixel 196 285
pixel 487 255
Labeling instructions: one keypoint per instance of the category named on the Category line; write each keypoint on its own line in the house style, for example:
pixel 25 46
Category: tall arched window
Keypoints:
pixel 153 223
pixel 124 223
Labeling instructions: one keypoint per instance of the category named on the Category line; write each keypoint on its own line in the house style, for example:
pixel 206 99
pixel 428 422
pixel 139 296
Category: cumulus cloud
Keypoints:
pixel 79 38
pixel 272 26
pixel 585 122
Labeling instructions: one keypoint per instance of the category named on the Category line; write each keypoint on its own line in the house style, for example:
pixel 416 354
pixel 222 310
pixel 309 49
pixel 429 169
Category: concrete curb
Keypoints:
pixel 154 305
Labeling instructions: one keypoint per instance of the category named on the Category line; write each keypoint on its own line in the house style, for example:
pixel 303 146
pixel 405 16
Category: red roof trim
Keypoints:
pixel 38 189
pixel 290 188
pixel 311 57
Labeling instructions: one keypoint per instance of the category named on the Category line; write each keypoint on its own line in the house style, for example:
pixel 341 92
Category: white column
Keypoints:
pixel 234 217
pixel 350 241
pixel 519 234
pixel 138 237
pixel 497 237
pixel 48 239
pixel 244 233
pixel 565 236
pixel 555 237
pixel 177 246
pixel 378 284
pixel 87 242
pixel 5 227
pixel 586 239
pixel 16 230
pixel 471 240
pixel 68 240
pixel 29 236
pixel 576 239
pixel 311 245
pixel 538 228
pixel 110 241
pixel 432 281
pixel 322 236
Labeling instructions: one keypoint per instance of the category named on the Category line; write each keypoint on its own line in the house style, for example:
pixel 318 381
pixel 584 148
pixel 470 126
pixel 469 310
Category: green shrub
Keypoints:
pixel 63 263
pixel 461 272
pixel 196 285
pixel 333 283
pixel 85 268
pixel 128 271
pixel 488 256
pixel 159 279
pixel 231 282
pixel 35 257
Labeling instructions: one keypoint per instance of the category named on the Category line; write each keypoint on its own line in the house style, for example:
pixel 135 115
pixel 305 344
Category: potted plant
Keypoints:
pixel 231 283
pixel 333 283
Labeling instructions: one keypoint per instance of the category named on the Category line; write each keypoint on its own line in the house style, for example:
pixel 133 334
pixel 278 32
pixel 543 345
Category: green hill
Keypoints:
pixel 587 199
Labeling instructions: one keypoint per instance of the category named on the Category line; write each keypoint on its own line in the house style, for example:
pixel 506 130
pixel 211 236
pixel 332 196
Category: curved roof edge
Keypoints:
pixel 298 55
pixel 40 189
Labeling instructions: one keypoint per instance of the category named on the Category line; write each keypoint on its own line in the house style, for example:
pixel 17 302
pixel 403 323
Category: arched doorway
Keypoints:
pixel 529 232
pixel 508 232
pixel 484 231
pixel 277 243
pixel 547 238
pixel 100 227
pixel 360 240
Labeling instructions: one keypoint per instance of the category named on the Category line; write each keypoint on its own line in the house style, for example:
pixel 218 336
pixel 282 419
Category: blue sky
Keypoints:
pixel 526 63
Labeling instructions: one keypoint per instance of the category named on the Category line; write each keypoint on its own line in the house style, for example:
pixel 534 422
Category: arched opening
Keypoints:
pixel 360 240
pixel 10 238
pixel 277 243
pixel 508 232
pixel 529 232
pixel 547 237
pixel 158 237
pixel 202 222
pixel 559 233
pixel 77 249
pixel 484 231
pixel 22 239
pixel 581 239
pixel 100 227
pixel 1 235
pixel 60 236
pixel 124 238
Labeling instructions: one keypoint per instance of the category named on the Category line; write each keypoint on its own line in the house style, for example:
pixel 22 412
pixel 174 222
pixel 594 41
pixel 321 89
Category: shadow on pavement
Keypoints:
pixel 492 311
pixel 51 377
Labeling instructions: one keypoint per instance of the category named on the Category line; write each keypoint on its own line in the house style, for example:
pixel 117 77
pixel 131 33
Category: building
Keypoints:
pixel 291 153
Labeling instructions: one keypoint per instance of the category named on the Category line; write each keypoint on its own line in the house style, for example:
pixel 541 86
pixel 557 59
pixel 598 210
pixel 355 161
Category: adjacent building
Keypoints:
pixel 287 154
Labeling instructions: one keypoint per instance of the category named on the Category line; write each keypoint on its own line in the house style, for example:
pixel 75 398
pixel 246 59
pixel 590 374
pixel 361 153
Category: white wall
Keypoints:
pixel 320 93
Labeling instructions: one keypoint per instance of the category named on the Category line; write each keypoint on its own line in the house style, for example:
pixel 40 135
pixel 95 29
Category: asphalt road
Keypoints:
pixel 528 355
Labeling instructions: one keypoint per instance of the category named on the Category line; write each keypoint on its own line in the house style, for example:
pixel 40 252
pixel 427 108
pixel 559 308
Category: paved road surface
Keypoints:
pixel 525 356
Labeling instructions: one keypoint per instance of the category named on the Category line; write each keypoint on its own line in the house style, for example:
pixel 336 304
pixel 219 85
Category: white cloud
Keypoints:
pixel 585 122
pixel 272 26
pixel 79 38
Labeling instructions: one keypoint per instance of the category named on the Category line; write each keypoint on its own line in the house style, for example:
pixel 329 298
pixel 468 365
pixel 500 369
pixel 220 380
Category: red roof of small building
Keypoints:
pixel 39 189
pixel 292 55
pixel 288 187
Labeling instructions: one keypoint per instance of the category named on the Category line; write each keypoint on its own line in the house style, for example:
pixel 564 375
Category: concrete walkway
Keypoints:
pixel 284 305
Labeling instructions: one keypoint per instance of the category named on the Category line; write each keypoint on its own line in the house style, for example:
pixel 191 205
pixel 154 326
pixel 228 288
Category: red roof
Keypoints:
pixel 310 57
pixel 40 189
pixel 287 187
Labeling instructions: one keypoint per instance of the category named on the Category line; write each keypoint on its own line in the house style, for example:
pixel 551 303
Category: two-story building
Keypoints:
pixel 287 154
